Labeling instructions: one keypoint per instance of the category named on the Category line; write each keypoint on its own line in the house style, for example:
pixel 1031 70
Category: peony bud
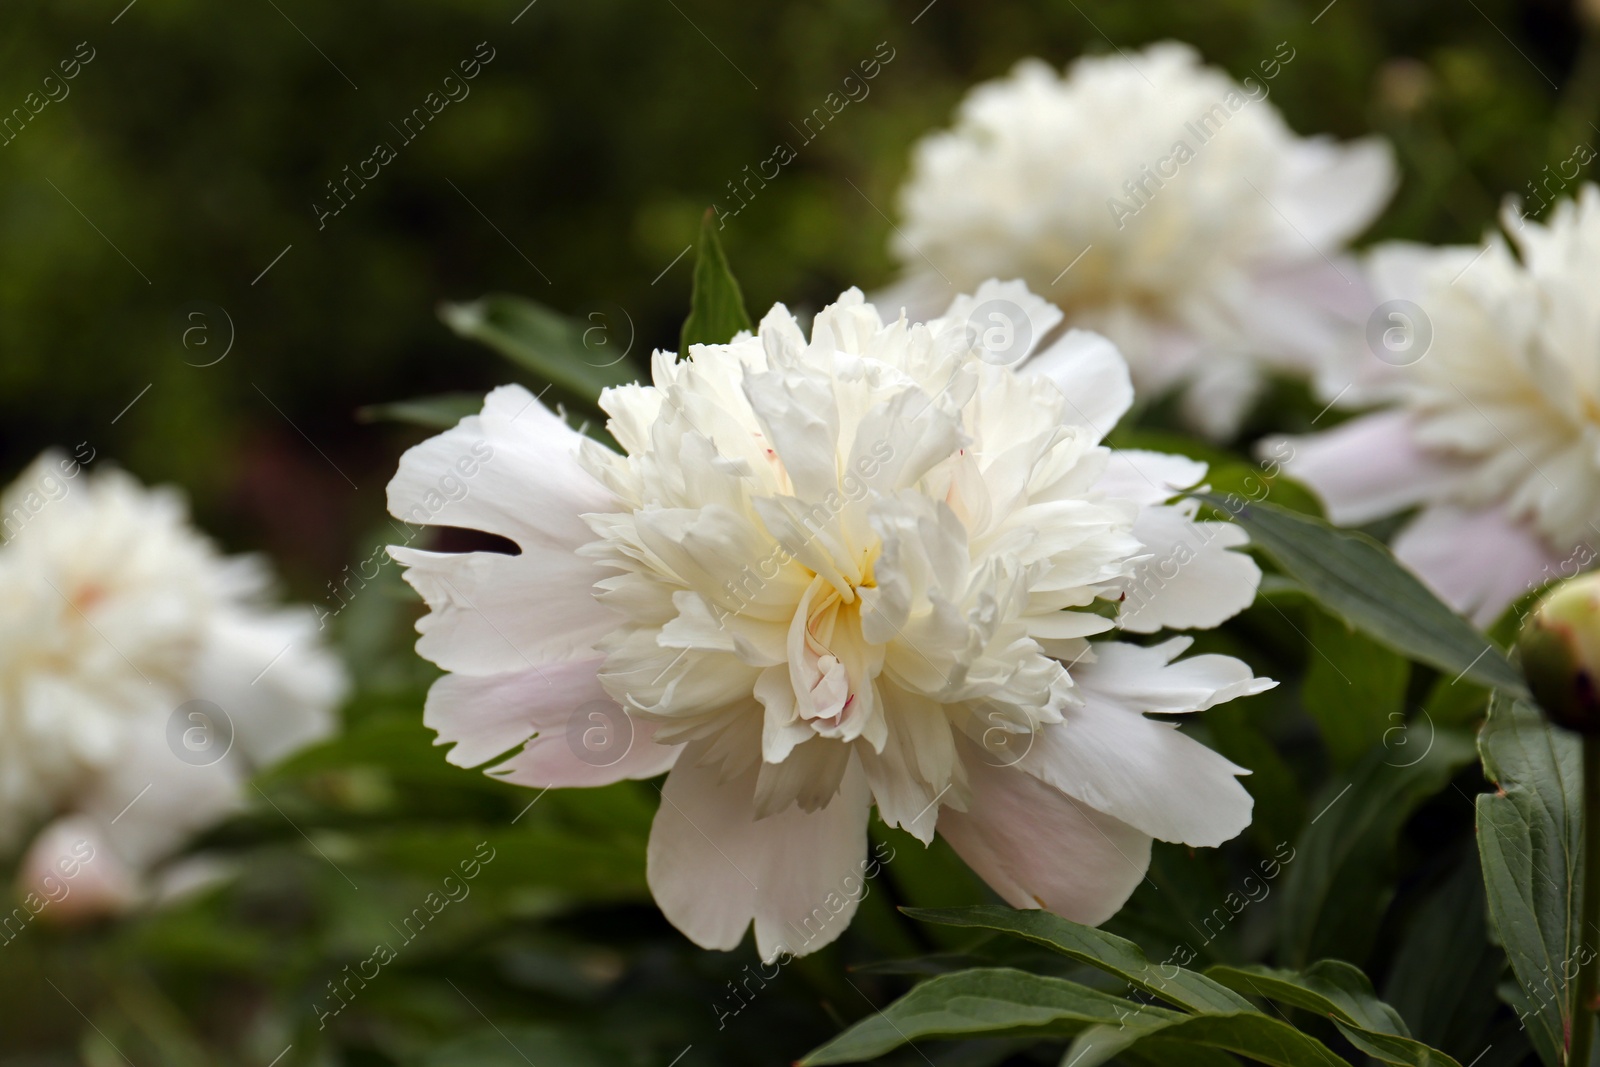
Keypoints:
pixel 1560 648
pixel 71 876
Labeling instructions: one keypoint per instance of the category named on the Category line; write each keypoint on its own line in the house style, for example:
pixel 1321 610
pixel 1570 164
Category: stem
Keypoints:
pixel 1582 1039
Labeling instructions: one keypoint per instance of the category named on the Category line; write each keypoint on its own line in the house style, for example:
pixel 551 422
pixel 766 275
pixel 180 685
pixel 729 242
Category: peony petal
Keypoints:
pixel 1147 773
pixel 1302 315
pixel 1042 316
pixel 1193 578
pixel 512 470
pixel 714 868
pixel 809 776
pixel 1330 192
pixel 1151 678
pixel 800 418
pixel 917 767
pixel 919 296
pixel 1148 477
pixel 575 734
pixel 1366 468
pixel 494 613
pixel 278 684
pixel 1040 848
pixel 1091 374
pixel 1478 562
pixel 1400 270
pixel 75 874
pixel 149 801
pixel 549 760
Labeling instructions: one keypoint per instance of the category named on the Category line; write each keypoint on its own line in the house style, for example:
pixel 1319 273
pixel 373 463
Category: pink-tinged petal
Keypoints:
pixel 1297 311
pixel 1147 773
pixel 1366 468
pixel 1040 848
pixel 714 868
pixel 511 470
pixel 1193 578
pixel 575 734
pixel 70 874
pixel 1478 562
pixel 1091 374
pixel 1330 192
pixel 493 613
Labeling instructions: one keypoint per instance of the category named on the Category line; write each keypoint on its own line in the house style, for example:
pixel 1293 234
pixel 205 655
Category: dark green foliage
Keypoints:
pixel 198 166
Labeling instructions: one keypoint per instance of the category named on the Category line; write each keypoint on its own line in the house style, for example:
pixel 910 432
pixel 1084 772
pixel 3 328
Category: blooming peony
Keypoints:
pixel 1156 201
pixel 1493 430
pixel 822 575
pixel 142 675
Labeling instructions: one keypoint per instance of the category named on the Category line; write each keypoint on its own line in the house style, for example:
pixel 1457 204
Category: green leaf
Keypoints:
pixel 431 412
pixel 400 745
pixel 1529 840
pixel 1247 481
pixel 1460 703
pixel 930 876
pixel 716 306
pixel 1260 1037
pixel 1156 1052
pixel 1442 980
pixel 1354 688
pixel 1339 991
pixel 546 862
pixel 1110 953
pixel 550 345
pixel 1358 580
pixel 1339 880
pixel 1183 902
pixel 995 1002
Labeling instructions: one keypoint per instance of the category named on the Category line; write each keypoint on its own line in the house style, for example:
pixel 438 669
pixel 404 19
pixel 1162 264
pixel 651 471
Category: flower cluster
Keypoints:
pixel 1490 424
pixel 1156 201
pixel 860 568
pixel 142 675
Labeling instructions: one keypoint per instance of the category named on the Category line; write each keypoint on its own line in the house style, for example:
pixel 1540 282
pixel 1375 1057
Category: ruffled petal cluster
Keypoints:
pixel 1158 202
pixel 142 676
pixel 1490 426
pixel 833 572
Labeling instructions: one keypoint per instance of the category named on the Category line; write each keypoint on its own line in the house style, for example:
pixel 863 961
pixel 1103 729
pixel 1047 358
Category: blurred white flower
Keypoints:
pixel 1156 201
pixel 142 676
pixel 1494 428
pixel 830 574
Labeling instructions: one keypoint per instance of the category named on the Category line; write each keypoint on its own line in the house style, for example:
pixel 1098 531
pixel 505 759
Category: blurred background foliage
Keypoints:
pixel 200 136
pixel 190 154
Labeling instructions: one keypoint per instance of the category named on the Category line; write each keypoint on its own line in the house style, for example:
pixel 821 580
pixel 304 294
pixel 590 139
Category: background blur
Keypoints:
pixel 181 175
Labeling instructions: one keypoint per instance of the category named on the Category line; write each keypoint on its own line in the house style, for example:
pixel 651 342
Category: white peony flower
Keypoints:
pixel 142 676
pixel 1494 427
pixel 1156 201
pixel 830 574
